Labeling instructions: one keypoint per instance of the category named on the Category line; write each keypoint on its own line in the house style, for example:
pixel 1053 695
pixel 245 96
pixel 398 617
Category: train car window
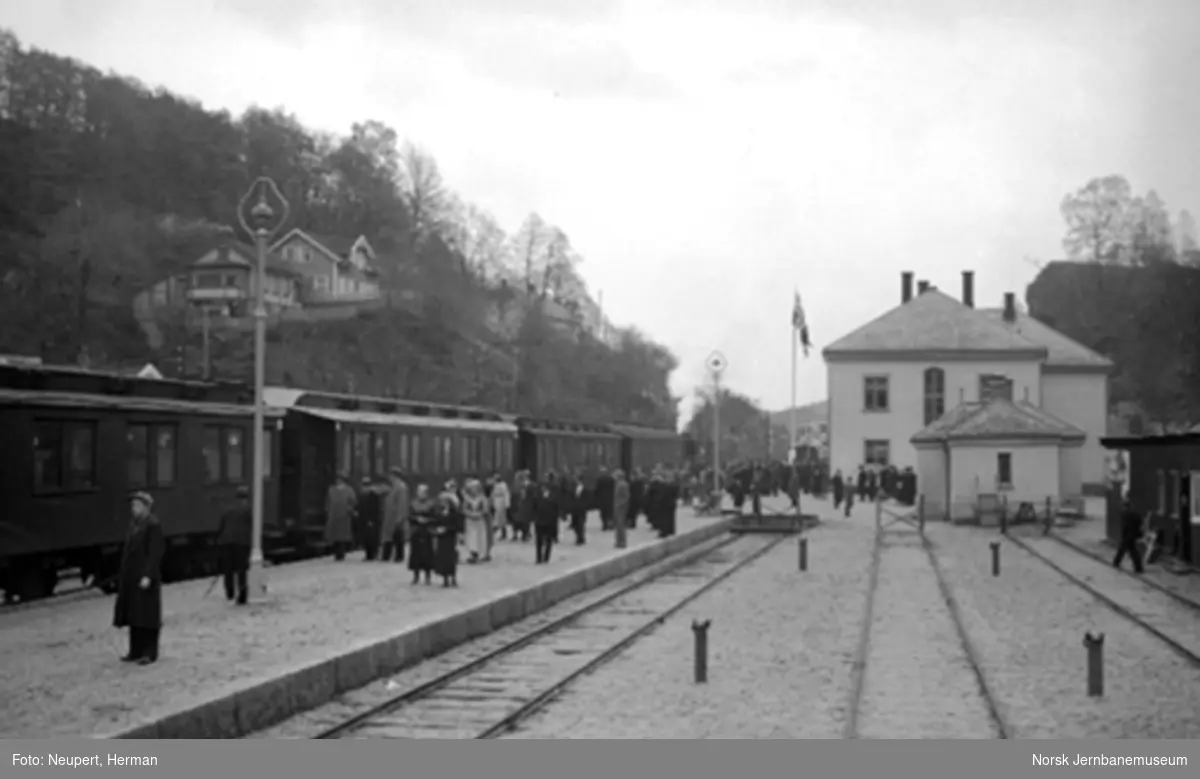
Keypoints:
pixel 268 452
pixel 138 455
pixel 486 461
pixel 464 450
pixel 362 454
pixel 165 447
pixel 414 454
pixel 474 449
pixel 64 456
pixel 47 456
pixel 81 456
pixel 448 454
pixel 235 455
pixel 403 452
pixel 344 454
pixel 210 447
pixel 380 443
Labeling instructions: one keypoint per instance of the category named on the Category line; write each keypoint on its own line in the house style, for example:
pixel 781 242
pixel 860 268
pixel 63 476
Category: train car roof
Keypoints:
pixel 38 398
pixel 646 433
pixel 546 426
pixel 75 380
pixel 367 410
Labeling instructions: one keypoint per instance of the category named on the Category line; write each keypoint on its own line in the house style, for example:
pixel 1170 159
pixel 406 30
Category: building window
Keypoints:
pixel 935 394
pixel 1004 471
pixel 875 393
pixel 64 456
pixel 321 282
pixel 151 455
pixel 877 452
pixel 993 386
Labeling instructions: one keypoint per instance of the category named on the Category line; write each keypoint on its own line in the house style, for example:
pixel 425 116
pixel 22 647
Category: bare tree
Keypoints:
pixel 425 195
pixel 1097 219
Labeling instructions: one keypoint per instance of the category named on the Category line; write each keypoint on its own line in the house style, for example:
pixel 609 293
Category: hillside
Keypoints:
pixel 110 188
pixel 812 412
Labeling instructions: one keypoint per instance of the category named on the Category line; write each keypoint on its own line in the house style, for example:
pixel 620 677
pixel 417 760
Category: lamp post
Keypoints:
pixel 262 225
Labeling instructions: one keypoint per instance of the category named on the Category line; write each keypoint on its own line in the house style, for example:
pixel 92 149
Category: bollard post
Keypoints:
pixel 995 558
pixel 1095 664
pixel 1049 518
pixel 803 546
pixel 921 515
pixel 700 632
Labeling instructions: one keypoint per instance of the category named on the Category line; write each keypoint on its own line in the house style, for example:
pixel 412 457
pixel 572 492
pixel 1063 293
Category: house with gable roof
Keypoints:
pixel 936 370
pixel 334 269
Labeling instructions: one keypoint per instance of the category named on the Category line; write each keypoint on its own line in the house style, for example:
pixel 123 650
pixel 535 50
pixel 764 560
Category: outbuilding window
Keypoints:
pixel 1004 479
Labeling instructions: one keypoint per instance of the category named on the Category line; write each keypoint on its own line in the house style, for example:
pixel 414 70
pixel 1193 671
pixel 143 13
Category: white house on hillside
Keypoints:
pixel 1005 382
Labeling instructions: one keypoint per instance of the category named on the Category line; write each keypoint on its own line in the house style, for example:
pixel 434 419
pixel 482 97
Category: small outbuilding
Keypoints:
pixel 998 450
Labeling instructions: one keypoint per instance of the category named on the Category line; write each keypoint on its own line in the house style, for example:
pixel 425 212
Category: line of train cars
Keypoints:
pixel 74 443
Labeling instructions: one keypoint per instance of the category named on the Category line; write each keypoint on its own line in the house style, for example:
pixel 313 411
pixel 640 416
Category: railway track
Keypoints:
pixel 1142 620
pixel 489 694
pixel 1181 599
pixel 916 672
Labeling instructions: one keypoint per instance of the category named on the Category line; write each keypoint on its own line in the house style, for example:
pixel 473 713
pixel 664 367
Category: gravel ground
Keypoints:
pixel 1090 535
pixel 1028 627
pixel 59 673
pixel 781 649
pixel 919 682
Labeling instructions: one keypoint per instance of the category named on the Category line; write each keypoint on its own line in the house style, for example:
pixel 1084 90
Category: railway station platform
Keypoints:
pixel 325 628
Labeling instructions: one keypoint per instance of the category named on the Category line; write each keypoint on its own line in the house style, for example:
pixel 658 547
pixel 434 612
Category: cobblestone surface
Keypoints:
pixel 1028 627
pixel 919 682
pixel 781 650
pixel 59 673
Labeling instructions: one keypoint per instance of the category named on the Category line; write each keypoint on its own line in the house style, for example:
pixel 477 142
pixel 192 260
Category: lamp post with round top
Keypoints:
pixel 263 225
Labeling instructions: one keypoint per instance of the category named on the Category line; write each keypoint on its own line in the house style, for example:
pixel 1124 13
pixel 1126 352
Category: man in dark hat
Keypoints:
pixel 233 545
pixel 1131 533
pixel 139 583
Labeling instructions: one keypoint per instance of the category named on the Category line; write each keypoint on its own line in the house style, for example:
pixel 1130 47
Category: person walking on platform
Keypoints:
pixel 396 505
pixel 578 508
pixel 501 503
pixel 339 517
pixel 604 496
pixel 420 535
pixel 446 526
pixel 545 518
pixel 620 498
pixel 666 527
pixel 637 496
pixel 233 546
pixel 1131 533
pixel 839 487
pixel 139 588
pixel 475 511
pixel 527 498
pixel 849 500
pixel 368 518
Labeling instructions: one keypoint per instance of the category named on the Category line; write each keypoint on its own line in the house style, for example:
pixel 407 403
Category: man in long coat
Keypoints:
pixel 139 589
pixel 577 507
pixel 233 544
pixel 339 517
pixel 368 515
pixel 545 516
pixel 395 518
pixel 620 503
pixel 604 496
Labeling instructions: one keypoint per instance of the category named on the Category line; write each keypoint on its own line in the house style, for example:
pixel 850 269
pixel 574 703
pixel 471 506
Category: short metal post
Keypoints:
pixel 700 632
pixel 803 553
pixel 921 514
pixel 1095 664
pixel 995 558
pixel 1049 518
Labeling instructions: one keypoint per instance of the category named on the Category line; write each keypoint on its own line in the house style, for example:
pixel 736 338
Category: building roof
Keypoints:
pixel 998 419
pixel 933 322
pixel 235 254
pixel 1062 351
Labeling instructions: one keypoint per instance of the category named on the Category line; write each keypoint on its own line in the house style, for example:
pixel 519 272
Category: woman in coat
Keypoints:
pixel 501 501
pixel 340 502
pixel 420 535
pixel 446 527
pixel 475 510
pixel 139 591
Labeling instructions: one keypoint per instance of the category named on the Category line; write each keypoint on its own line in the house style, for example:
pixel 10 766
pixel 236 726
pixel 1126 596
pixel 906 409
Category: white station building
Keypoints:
pixel 977 401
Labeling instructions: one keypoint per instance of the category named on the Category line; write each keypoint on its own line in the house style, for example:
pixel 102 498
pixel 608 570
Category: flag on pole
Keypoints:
pixel 799 323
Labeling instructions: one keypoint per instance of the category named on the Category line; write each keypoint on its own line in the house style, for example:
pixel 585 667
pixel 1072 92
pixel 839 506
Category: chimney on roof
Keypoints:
pixel 1010 307
pixel 906 280
pixel 922 287
pixel 968 296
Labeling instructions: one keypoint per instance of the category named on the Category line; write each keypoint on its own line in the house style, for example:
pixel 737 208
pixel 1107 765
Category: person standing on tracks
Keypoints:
pixel 1131 533
pixel 545 517
pixel 233 546
pixel 339 517
pixel 501 503
pixel 475 511
pixel 420 535
pixel 139 589
pixel 396 506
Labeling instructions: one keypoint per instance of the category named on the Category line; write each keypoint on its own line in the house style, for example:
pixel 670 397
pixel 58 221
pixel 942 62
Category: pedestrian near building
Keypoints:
pixel 501 505
pixel 839 488
pixel 339 517
pixel 1131 533
pixel 139 588
pixel 604 496
pixel 233 546
pixel 368 518
pixel 620 498
pixel 475 510
pixel 446 528
pixel 545 518
pixel 396 507
pixel 526 507
pixel 420 535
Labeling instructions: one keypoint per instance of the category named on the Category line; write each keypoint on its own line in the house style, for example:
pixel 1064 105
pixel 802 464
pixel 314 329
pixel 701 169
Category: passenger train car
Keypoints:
pixel 75 443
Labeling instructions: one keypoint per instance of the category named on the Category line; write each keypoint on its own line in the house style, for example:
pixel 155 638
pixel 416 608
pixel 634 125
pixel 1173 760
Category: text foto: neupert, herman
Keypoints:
pixel 77 761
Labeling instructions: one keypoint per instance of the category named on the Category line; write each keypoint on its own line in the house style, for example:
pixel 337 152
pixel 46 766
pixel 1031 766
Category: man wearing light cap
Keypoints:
pixel 139 583
pixel 233 543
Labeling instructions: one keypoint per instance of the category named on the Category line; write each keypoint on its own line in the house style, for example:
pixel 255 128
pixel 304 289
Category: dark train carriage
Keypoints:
pixel 75 443
pixel 549 444
pixel 325 434
pixel 1162 476
pixel 644 448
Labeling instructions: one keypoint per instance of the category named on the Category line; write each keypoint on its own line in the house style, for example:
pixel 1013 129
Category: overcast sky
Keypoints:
pixel 707 157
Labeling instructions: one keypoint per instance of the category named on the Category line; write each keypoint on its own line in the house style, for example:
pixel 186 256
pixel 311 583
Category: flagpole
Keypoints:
pixel 792 414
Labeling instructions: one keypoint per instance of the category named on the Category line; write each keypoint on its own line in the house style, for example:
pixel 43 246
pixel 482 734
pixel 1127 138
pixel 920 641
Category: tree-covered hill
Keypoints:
pixel 108 186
